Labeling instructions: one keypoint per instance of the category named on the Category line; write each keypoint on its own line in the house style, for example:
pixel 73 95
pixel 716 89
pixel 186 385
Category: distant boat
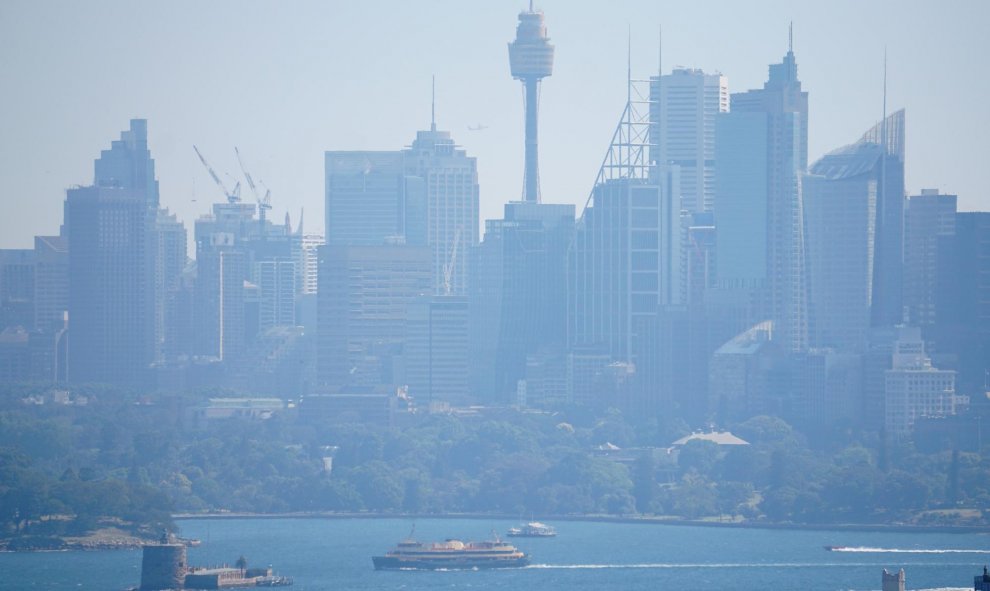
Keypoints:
pixel 451 554
pixel 834 548
pixel 533 529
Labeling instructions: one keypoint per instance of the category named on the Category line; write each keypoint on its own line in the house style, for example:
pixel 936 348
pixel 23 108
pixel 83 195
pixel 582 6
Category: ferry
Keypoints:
pixel 451 554
pixel 533 529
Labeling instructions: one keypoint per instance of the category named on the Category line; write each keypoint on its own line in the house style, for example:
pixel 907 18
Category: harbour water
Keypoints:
pixel 335 554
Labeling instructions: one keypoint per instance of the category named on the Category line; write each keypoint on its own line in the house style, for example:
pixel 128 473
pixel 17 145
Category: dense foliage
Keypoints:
pixel 65 468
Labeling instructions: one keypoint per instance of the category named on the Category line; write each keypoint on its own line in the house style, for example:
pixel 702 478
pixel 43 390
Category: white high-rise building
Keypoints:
pixel 452 195
pixel 913 388
pixel 683 107
pixel 307 262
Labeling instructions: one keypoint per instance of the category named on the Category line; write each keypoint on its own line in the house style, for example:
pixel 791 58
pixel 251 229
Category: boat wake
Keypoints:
pixel 659 565
pixel 870 549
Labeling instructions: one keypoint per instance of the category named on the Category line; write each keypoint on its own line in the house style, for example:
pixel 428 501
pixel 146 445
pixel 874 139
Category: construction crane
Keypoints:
pixel 247 175
pixel 232 196
pixel 448 269
pixel 264 203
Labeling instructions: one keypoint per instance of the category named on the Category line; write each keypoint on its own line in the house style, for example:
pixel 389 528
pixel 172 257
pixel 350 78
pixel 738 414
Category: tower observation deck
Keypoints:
pixel 531 60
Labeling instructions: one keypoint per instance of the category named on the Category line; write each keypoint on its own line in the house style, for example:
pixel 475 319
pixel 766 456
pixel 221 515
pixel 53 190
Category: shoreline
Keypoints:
pixel 897 528
pixel 124 542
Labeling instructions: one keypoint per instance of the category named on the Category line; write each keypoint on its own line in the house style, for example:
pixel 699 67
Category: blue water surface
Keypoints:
pixel 335 554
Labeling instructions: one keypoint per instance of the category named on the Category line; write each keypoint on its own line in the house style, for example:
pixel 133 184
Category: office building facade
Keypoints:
pixel 683 109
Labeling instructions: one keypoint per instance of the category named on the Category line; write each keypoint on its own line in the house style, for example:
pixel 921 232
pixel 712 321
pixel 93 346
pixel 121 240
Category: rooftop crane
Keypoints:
pixel 264 203
pixel 232 196
pixel 247 175
pixel 448 269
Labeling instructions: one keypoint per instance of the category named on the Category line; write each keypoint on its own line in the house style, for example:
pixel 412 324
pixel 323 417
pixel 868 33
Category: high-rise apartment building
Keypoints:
pixel 170 261
pixel 683 108
pixel 307 257
pixel 276 281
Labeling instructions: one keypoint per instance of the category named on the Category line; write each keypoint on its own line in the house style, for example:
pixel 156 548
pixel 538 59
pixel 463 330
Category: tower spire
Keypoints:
pixel 790 38
pixel 433 104
pixel 531 60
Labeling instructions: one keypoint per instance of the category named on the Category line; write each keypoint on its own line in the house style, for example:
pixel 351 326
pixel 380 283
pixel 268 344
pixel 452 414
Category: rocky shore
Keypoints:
pixel 104 539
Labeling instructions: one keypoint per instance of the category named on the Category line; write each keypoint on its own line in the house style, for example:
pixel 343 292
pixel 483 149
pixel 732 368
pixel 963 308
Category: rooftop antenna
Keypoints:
pixel 629 115
pixel 433 105
pixel 659 52
pixel 655 141
pixel 790 38
pixel 628 59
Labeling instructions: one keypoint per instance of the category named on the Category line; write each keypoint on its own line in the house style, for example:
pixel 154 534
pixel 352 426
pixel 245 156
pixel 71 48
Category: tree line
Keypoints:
pixel 131 459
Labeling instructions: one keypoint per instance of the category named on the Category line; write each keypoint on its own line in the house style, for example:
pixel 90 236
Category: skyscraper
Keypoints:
pixel 847 236
pixel 616 270
pixel 452 194
pixel 110 229
pixel 426 194
pixel 683 107
pixel 111 275
pixel 929 231
pixel 436 349
pixel 840 199
pixel 519 293
pixel 363 298
pixel 763 152
pixel 888 271
pixel 963 302
pixel 370 199
pixel 170 260
pixel 222 266
pixel 128 163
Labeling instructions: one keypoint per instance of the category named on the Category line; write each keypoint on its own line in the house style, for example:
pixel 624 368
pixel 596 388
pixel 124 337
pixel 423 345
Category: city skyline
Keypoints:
pixel 294 83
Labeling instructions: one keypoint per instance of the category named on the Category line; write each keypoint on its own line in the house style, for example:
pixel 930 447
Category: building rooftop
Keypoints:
pixel 716 437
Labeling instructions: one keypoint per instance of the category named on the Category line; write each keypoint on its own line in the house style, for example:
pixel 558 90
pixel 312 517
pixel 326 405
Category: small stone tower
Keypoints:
pixel 163 565
pixel 893 582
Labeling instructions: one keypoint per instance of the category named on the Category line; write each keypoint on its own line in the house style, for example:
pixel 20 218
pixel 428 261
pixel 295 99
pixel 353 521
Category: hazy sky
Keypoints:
pixel 285 81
